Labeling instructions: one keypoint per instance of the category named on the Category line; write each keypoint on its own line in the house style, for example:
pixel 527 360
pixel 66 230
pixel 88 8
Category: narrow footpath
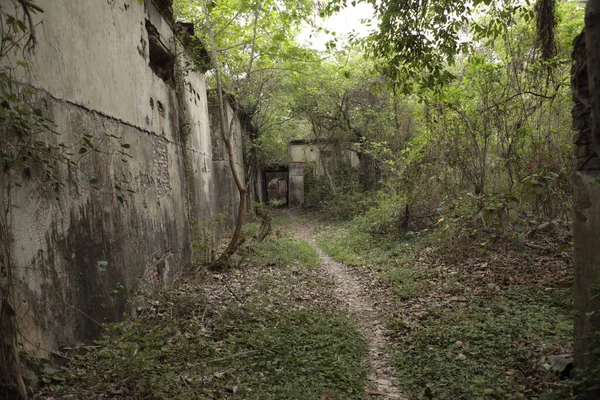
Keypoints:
pixel 290 323
pixel 350 291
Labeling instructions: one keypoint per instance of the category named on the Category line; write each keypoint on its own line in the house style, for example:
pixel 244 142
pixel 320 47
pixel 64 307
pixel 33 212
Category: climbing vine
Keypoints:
pixel 22 127
pixel 31 150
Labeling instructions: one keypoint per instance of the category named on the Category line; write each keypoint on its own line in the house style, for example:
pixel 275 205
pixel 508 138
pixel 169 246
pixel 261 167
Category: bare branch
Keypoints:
pixel 27 7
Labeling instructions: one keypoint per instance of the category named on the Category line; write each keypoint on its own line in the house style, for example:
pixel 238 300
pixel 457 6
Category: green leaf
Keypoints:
pixel 546 366
pixel 538 189
pixel 101 265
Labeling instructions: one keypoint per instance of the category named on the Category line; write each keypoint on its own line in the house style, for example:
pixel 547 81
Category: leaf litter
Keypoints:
pixel 260 332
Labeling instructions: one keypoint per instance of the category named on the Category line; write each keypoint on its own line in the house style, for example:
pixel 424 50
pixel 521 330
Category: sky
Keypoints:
pixel 343 23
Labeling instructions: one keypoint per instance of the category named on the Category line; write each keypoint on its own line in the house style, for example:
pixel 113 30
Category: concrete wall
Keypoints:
pixel 302 153
pixel 586 207
pixel 225 191
pixel 309 152
pixel 79 252
pixel 296 184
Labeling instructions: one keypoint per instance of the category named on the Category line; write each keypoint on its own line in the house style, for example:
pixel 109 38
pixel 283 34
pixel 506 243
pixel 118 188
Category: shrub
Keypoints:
pixel 387 215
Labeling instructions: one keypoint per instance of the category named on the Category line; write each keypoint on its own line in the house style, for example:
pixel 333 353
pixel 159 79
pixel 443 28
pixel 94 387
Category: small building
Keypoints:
pixel 322 155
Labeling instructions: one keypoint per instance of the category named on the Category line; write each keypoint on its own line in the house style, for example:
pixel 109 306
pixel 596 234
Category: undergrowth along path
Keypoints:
pixel 349 290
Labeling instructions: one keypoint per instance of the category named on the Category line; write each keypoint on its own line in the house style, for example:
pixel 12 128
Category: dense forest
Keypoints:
pixel 441 265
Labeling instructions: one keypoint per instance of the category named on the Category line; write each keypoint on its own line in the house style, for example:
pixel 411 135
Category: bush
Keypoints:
pixel 387 216
pixel 348 201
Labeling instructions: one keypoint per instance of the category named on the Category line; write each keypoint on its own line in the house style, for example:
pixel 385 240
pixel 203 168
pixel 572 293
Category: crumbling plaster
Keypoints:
pixel 225 191
pixel 306 152
pixel 81 253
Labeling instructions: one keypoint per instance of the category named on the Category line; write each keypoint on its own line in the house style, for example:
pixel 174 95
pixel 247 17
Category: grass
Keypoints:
pixel 250 354
pixel 482 351
pixel 184 345
pixel 286 252
pixel 298 354
pixel 408 282
pixel 348 244
pixel 339 246
pixel 390 257
pixel 456 336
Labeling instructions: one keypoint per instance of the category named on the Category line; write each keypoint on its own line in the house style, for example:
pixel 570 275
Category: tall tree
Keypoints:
pixel 246 38
pixel 417 41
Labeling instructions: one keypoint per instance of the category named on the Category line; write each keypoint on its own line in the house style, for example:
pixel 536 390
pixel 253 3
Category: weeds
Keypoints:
pixel 295 354
pixel 249 353
pixel 408 282
pixel 278 338
pixel 337 247
pixel 469 325
pixel 489 350
pixel 285 252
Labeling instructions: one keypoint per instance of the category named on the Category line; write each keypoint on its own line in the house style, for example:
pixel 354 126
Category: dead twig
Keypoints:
pixel 83 313
pixel 230 290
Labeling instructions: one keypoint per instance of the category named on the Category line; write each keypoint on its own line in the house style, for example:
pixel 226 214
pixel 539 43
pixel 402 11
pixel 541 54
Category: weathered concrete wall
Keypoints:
pixel 309 152
pixel 303 152
pixel 81 252
pixel 586 191
pixel 296 184
pixel 226 193
pixel 586 205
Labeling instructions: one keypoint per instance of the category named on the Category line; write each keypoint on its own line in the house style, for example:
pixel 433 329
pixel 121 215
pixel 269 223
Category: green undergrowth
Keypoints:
pixel 390 256
pixel 285 251
pixel 250 353
pixel 261 344
pixel 489 350
pixel 408 282
pixel 339 247
pixel 474 329
pixel 300 354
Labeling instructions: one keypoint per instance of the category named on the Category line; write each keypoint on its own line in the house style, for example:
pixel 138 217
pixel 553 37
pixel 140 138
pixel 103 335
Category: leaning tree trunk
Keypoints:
pixel 227 134
pixel 586 201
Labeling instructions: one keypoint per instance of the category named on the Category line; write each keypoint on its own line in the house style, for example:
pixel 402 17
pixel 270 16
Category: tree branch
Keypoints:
pixel 27 7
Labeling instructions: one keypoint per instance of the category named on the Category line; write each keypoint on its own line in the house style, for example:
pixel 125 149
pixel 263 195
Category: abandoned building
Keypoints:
pixel 122 220
pixel 285 183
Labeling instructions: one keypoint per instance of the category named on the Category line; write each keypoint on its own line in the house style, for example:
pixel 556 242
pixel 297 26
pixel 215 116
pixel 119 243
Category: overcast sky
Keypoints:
pixel 343 23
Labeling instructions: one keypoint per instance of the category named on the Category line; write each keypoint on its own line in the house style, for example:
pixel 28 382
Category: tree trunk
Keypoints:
pixel 227 134
pixel 586 201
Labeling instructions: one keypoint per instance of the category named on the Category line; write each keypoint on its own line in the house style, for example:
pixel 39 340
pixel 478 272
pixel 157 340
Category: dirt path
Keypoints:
pixel 350 291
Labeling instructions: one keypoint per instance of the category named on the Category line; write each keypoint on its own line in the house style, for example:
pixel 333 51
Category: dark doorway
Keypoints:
pixel 275 184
